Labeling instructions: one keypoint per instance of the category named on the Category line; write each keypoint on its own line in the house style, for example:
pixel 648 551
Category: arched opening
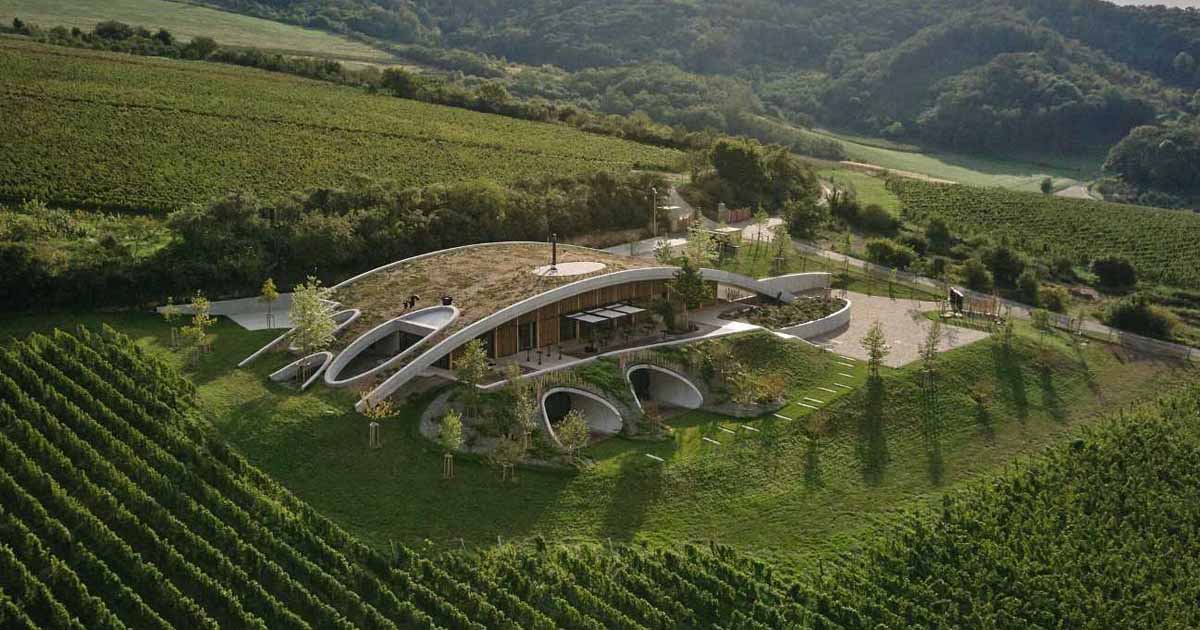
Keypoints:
pixel 664 387
pixel 308 368
pixel 387 344
pixel 603 418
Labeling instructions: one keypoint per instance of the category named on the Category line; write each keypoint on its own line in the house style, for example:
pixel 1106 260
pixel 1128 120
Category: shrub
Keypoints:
pixel 938 234
pixel 883 251
pixel 976 275
pixel 1136 314
pixel 1028 286
pixel 1055 299
pixel 917 242
pixel 1114 272
pixel 1063 268
pixel 1005 263
pixel 874 218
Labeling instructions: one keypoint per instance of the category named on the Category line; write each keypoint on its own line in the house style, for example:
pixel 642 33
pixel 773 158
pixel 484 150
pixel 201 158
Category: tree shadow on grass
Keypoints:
pixel 984 420
pixel 1010 375
pixel 872 443
pixel 638 484
pixel 1051 401
pixel 812 464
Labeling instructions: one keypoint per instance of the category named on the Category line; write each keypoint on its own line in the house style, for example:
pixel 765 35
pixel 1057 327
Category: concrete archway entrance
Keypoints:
pixel 663 386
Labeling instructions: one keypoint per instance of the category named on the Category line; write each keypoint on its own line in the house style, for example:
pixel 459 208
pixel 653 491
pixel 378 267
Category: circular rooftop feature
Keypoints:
pixel 568 269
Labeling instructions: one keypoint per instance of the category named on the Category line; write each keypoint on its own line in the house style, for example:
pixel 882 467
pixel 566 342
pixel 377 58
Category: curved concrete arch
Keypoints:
pixel 288 371
pixel 666 386
pixel 602 417
pixel 347 316
pixel 343 319
pixel 530 304
pixel 432 319
pixel 818 327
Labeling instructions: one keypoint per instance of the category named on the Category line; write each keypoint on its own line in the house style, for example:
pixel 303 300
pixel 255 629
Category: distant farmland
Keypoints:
pixel 118 132
pixel 188 21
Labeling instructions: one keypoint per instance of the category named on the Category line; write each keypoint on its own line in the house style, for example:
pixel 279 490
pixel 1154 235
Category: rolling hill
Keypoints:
pixel 92 129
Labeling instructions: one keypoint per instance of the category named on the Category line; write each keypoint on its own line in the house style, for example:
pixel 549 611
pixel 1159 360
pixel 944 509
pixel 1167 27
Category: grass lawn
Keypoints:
pixel 187 21
pixel 1018 174
pixel 868 188
pixel 796 489
pixel 760 266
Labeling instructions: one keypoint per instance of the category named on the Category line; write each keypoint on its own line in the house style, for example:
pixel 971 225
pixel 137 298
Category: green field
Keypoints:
pixel 868 189
pixel 1016 174
pixel 1160 243
pixel 113 131
pixel 188 21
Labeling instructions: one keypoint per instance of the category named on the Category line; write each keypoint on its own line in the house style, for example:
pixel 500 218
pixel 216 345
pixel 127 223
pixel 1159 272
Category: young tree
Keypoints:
pixel 450 438
pixel 195 336
pixel 525 404
pixel 312 318
pixel 268 295
pixel 573 432
pixel 471 366
pixel 170 313
pixel 760 228
pixel 1040 318
pixel 507 454
pixel 663 254
pixel 701 248
pixel 877 349
pixel 687 287
pixel 929 347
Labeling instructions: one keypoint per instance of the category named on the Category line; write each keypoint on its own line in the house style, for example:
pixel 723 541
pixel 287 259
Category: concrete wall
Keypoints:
pixel 822 326
pixel 320 360
pixel 798 282
pixel 667 387
pixel 601 415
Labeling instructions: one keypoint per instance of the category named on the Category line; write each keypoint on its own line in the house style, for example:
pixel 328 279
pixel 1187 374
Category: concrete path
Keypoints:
pixel 904 327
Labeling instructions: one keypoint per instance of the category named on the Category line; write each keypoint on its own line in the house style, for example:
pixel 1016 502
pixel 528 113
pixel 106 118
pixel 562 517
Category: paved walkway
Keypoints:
pixel 904 327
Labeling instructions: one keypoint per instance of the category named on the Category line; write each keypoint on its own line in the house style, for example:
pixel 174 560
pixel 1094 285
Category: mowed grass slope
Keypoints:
pixel 796 490
pixel 114 131
pixel 186 21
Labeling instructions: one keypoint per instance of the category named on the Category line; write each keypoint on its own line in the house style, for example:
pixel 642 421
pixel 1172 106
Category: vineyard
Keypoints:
pixel 84 128
pixel 1100 533
pixel 1160 243
pixel 122 511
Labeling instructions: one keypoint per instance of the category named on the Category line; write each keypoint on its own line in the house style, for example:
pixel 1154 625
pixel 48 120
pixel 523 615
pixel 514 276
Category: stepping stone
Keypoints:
pixel 846 358
pixel 710 441
pixel 845 364
pixel 845 374
pixel 749 428
pixel 843 386
pixel 806 405
pixel 781 416
pixel 656 458
pixel 729 431
pixel 819 402
pixel 826 389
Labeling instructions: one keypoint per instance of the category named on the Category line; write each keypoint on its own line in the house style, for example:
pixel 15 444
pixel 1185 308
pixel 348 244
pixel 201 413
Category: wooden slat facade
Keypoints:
pixel 507 335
